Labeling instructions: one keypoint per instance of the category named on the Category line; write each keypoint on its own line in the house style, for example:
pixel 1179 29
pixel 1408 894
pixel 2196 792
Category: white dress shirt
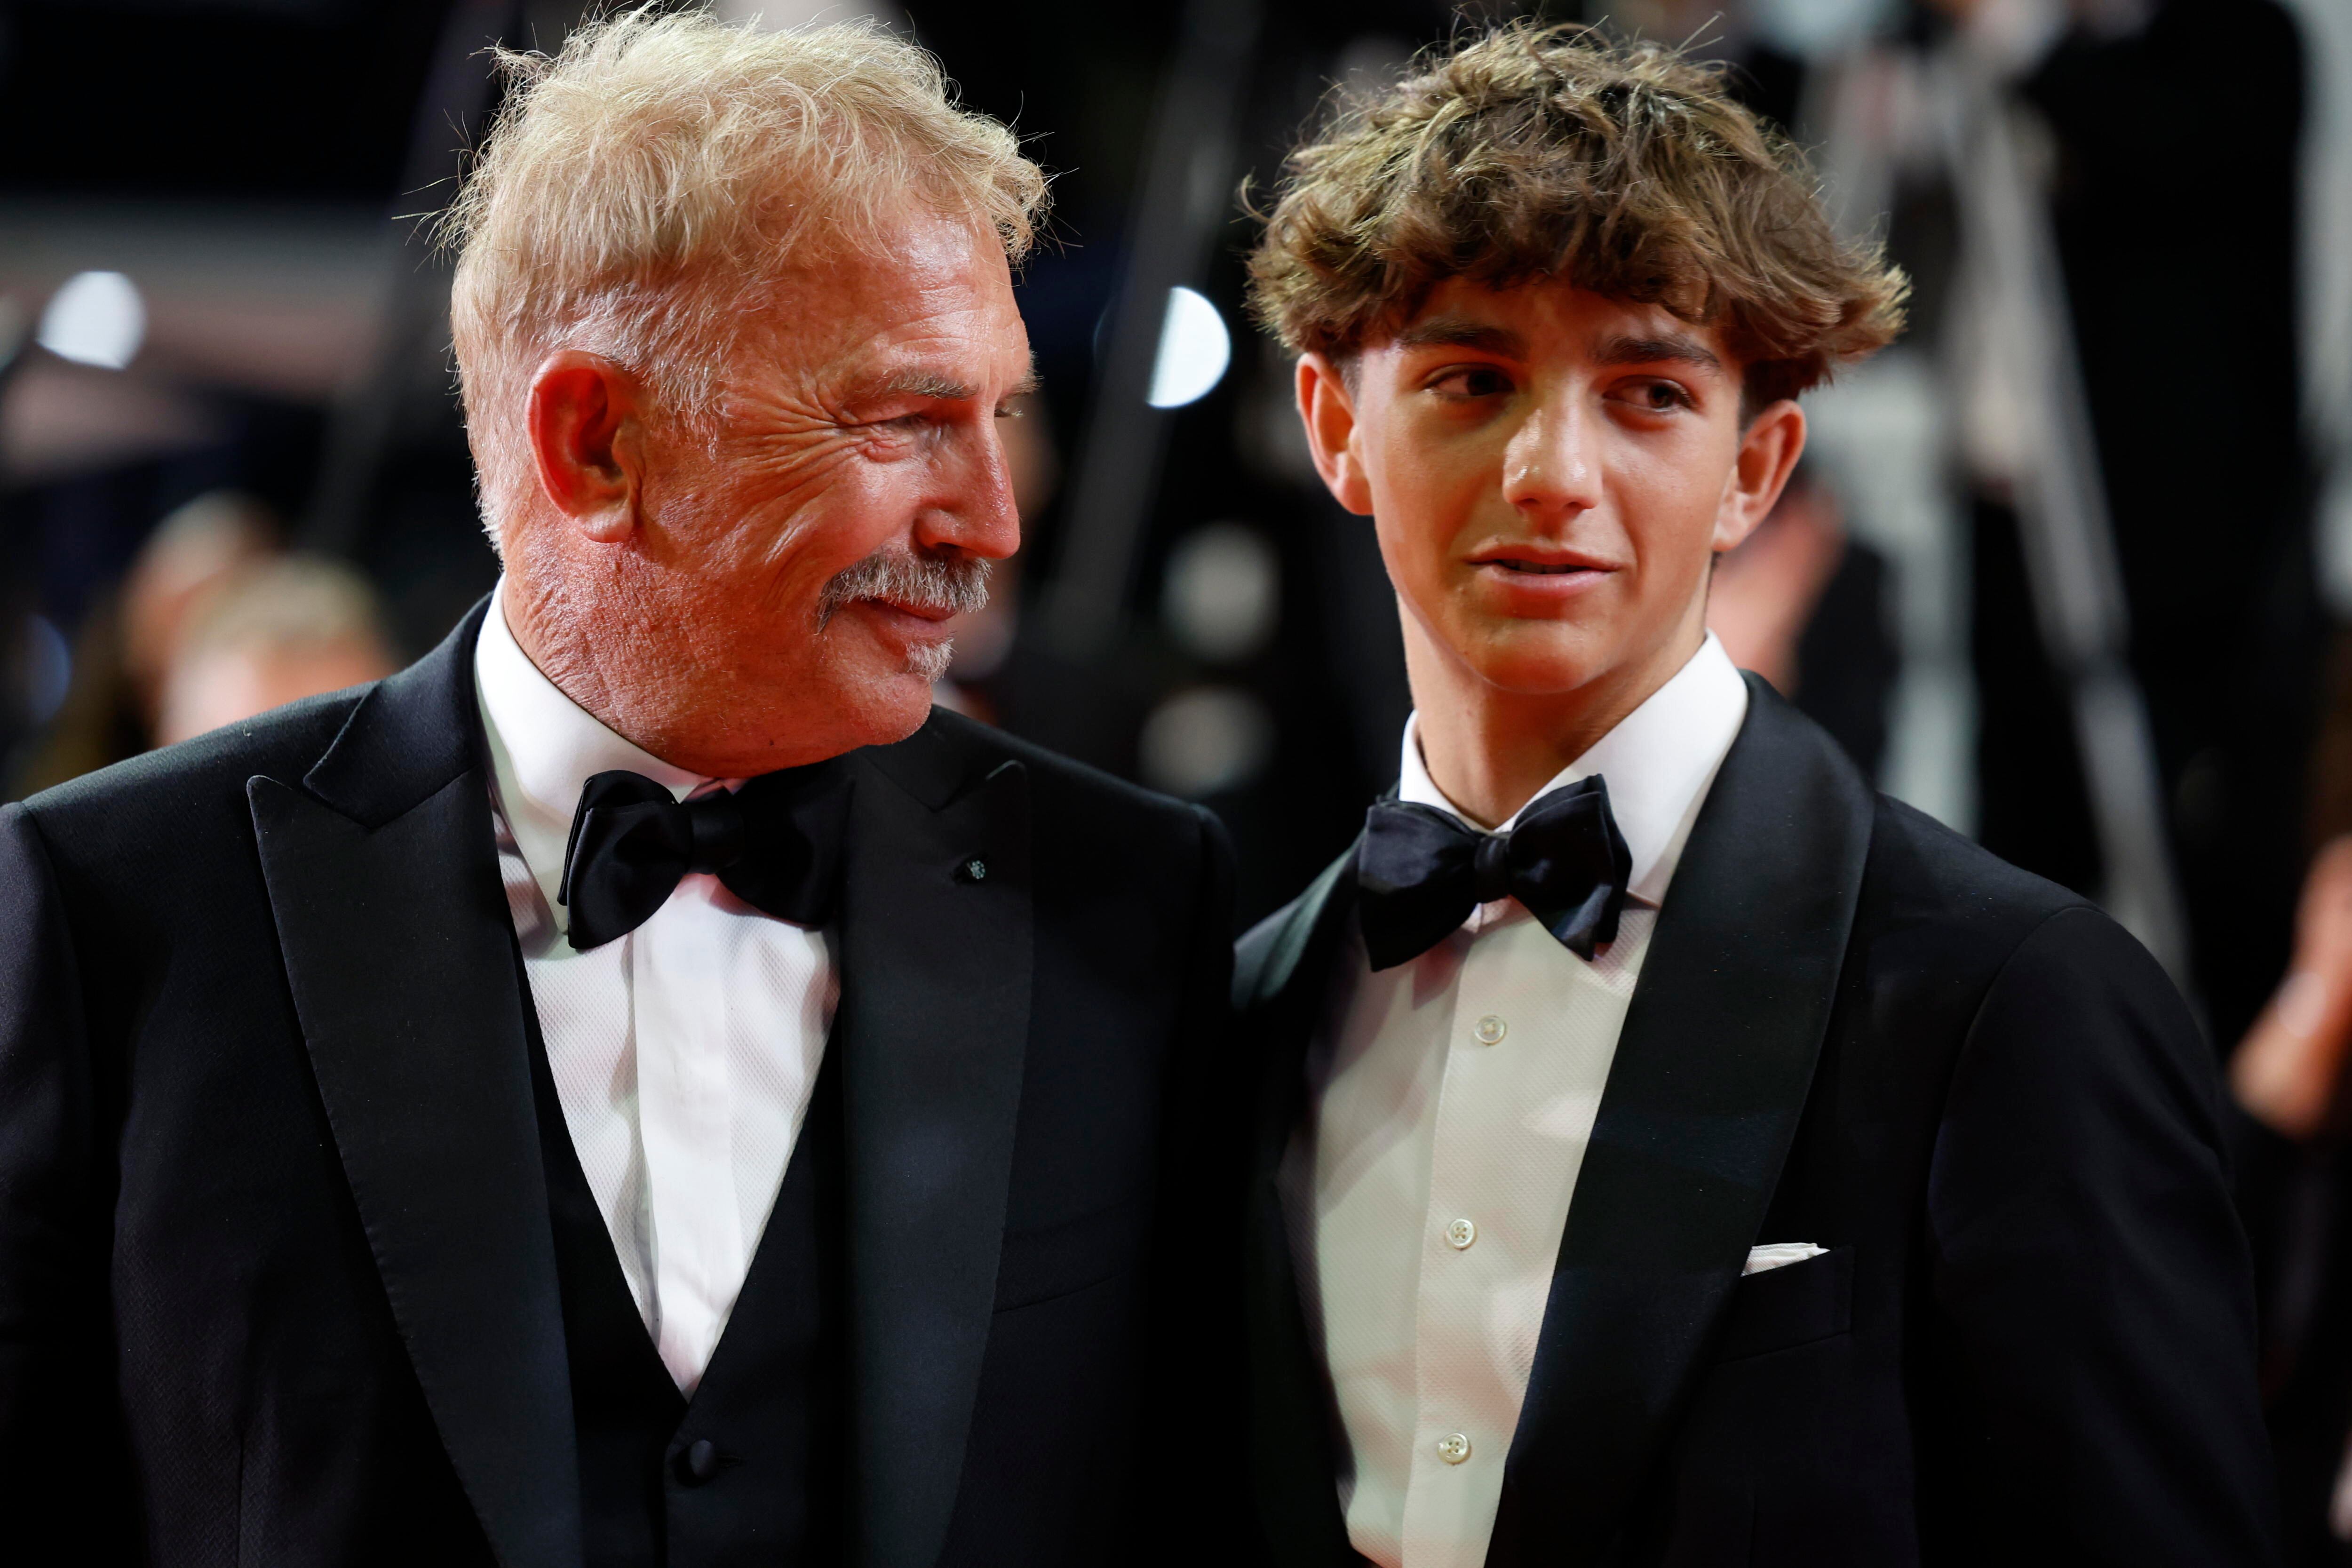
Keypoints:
pixel 684 1053
pixel 1453 1097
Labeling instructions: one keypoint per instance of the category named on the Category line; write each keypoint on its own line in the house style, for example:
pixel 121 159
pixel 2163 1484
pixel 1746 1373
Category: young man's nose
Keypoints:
pixel 1552 464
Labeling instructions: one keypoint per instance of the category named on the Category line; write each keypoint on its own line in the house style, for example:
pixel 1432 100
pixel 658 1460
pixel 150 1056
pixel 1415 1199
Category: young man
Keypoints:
pixel 1670 1152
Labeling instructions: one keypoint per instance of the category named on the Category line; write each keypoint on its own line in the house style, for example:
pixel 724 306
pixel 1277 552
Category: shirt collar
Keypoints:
pixel 1659 762
pixel 544 748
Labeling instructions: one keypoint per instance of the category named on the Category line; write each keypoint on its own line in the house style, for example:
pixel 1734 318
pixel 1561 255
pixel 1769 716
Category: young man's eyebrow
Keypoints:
pixel 1460 333
pixel 1668 348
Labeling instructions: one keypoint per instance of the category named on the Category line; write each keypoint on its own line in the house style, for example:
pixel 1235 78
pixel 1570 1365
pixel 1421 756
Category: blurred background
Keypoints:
pixel 2070 568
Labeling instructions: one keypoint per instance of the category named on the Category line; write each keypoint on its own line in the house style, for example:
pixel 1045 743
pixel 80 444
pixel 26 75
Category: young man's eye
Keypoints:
pixel 1655 396
pixel 1465 382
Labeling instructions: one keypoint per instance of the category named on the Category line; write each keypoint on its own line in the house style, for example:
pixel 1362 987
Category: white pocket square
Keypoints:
pixel 1780 1255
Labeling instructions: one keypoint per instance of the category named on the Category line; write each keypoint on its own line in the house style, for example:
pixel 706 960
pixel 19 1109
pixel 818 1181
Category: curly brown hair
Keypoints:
pixel 1527 153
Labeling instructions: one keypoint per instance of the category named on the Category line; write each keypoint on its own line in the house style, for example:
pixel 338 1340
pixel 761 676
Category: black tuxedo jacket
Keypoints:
pixel 2033 1337
pixel 276 1282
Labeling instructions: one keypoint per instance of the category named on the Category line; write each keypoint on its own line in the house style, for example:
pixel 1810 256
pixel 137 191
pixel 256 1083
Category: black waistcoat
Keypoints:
pixel 751 1470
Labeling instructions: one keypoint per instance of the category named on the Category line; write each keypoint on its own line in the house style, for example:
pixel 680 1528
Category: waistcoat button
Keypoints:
pixel 699 1463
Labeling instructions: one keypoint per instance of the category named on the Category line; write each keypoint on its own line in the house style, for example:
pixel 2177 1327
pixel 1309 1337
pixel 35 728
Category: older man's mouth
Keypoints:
pixel 921 611
pixel 926 588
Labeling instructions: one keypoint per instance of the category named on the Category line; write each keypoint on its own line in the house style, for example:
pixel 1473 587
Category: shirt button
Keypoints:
pixel 1461 1234
pixel 1453 1448
pixel 1491 1030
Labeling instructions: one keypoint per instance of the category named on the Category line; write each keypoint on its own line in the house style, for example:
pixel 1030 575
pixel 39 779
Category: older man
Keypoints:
pixel 637 1086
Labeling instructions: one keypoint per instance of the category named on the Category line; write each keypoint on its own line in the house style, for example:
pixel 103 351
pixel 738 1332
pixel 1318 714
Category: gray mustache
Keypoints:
pixel 957 586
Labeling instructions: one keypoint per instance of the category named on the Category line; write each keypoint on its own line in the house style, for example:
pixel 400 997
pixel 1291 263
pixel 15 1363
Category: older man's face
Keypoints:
pixel 803 573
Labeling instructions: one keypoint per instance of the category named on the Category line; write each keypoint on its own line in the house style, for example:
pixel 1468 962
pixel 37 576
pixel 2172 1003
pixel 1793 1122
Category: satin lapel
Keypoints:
pixel 1711 1074
pixel 382 877
pixel 936 954
pixel 1281 992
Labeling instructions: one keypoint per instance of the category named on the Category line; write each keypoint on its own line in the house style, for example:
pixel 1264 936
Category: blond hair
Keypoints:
pixel 1527 153
pixel 641 188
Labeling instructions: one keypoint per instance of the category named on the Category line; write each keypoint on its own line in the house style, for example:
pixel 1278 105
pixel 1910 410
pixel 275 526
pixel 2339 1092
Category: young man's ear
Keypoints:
pixel 1769 451
pixel 1327 406
pixel 585 439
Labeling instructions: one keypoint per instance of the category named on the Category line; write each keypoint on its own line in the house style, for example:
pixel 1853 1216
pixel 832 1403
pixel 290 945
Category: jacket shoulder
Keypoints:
pixel 160 797
pixel 1079 802
pixel 1909 845
pixel 1256 950
pixel 1061 773
pixel 1270 955
pixel 1937 898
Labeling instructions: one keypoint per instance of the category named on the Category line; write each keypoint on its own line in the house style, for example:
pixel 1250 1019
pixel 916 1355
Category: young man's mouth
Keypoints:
pixel 1527 567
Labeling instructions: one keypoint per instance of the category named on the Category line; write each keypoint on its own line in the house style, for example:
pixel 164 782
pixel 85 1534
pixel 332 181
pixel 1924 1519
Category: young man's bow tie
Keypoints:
pixel 1420 872
pixel 775 843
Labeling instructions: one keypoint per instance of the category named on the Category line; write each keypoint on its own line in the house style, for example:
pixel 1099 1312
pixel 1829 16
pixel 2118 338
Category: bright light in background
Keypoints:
pixel 97 318
pixel 1223 592
pixel 1817 29
pixel 1195 350
pixel 1206 740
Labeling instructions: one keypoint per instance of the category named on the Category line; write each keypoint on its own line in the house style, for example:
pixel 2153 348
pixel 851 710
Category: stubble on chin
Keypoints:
pixel 930 659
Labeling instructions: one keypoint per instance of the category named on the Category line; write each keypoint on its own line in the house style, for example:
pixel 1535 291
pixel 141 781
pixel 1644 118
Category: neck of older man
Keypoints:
pixel 638 675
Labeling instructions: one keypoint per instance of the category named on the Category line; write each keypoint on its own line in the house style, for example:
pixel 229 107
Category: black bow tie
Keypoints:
pixel 775 843
pixel 1420 872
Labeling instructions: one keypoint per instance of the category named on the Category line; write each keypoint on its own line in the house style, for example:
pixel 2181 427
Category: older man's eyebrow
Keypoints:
pixel 1028 385
pixel 917 382
pixel 1662 347
pixel 1461 332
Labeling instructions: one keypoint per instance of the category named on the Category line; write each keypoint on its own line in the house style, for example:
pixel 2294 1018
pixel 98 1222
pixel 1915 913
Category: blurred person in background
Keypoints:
pixel 267 634
pixel 639 1085
pixel 1804 603
pixel 1668 1151
pixel 2289 1078
pixel 2212 540
pixel 127 645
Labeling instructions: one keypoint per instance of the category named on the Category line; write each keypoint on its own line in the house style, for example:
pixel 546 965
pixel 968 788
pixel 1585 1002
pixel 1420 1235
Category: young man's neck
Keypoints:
pixel 1490 749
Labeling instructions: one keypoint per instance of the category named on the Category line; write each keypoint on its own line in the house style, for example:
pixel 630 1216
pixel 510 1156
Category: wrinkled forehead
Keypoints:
pixel 928 310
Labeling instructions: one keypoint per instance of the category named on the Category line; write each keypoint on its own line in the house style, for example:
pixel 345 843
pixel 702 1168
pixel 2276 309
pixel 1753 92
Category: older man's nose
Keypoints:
pixel 976 514
pixel 1552 464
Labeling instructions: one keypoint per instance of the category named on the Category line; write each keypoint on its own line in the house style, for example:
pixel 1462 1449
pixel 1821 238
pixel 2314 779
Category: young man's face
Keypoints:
pixel 1550 473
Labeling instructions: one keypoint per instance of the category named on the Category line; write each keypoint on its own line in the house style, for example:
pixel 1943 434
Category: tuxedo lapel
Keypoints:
pixel 383 880
pixel 1711 1073
pixel 1281 986
pixel 936 954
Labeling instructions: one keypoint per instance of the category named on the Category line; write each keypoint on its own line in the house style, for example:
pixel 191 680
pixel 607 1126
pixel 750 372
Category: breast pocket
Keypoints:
pixel 1042 1262
pixel 1793 1305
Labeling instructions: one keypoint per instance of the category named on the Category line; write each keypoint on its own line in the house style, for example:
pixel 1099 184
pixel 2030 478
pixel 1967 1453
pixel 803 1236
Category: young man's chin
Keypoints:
pixel 1542 658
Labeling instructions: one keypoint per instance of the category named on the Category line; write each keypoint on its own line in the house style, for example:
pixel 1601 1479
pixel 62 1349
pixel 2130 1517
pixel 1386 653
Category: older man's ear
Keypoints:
pixel 586 437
